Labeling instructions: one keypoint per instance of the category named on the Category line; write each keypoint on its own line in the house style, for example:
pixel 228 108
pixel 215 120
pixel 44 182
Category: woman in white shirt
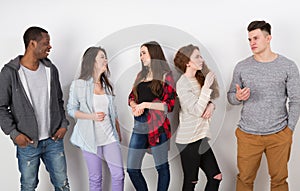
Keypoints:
pixel 195 89
pixel 97 130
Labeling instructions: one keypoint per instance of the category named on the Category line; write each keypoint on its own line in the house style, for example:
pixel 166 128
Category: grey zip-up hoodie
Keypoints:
pixel 16 111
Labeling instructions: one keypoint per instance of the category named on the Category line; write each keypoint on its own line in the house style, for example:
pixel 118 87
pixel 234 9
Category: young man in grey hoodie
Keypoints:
pixel 264 83
pixel 32 111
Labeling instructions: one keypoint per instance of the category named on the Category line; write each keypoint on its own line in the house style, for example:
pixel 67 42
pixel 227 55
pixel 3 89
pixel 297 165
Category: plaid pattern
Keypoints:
pixel 157 118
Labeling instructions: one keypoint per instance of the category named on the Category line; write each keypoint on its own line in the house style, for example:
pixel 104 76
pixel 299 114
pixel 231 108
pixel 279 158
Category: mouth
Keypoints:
pixel 145 63
pixel 47 52
pixel 201 65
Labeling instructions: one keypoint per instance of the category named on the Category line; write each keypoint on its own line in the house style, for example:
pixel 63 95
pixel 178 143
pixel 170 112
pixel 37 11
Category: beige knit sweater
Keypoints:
pixel 193 102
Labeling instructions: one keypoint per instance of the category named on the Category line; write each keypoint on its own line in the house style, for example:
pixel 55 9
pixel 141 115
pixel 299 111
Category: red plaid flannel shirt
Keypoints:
pixel 157 118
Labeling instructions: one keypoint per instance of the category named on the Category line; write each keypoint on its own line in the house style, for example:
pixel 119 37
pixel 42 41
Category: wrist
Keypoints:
pixel 145 105
pixel 205 86
pixel 132 104
pixel 237 98
pixel 93 116
pixel 212 104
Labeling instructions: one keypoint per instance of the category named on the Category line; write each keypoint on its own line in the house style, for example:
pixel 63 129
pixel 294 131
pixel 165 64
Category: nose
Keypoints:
pixel 201 60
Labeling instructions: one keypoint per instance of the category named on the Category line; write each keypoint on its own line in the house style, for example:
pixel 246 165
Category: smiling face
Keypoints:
pixel 259 41
pixel 100 62
pixel 145 56
pixel 42 47
pixel 196 60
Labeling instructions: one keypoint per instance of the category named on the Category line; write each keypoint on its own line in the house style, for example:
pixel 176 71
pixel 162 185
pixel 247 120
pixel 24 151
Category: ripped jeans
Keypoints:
pixel 198 155
pixel 52 154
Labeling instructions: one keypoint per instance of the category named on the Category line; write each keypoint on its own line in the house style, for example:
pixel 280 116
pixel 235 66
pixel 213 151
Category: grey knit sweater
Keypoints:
pixel 272 85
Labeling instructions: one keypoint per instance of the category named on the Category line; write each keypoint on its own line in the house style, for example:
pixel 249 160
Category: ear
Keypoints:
pixel 269 38
pixel 189 64
pixel 32 43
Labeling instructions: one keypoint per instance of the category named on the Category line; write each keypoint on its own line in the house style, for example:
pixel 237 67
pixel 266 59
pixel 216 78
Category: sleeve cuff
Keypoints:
pixel 65 124
pixel 206 92
pixel 13 134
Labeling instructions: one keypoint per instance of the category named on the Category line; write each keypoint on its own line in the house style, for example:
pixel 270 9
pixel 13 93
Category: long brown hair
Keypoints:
pixel 181 60
pixel 87 67
pixel 159 66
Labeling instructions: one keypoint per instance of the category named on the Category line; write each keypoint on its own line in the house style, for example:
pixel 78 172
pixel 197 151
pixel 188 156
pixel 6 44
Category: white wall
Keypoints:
pixel 218 27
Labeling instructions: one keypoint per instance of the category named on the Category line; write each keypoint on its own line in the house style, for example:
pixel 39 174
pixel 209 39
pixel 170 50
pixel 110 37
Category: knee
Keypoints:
pixel 95 177
pixel 118 175
pixel 133 172
pixel 189 184
pixel 61 181
pixel 278 181
pixel 246 179
pixel 25 186
pixel 218 177
pixel 163 168
pixel 64 187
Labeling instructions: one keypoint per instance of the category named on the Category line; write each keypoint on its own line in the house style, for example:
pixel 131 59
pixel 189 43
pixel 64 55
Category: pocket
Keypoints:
pixel 243 136
pixel 288 131
pixel 26 151
pixel 237 132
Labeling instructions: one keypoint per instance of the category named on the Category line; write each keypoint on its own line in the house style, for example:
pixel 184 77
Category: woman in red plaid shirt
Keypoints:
pixel 152 97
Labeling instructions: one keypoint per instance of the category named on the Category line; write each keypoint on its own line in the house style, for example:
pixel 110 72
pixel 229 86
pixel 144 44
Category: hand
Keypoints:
pixel 120 137
pixel 98 116
pixel 118 130
pixel 60 133
pixel 141 106
pixel 209 79
pixel 208 111
pixel 22 140
pixel 242 94
pixel 136 111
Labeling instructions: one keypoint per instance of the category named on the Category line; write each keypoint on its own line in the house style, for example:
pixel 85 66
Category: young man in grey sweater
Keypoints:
pixel 264 83
pixel 32 112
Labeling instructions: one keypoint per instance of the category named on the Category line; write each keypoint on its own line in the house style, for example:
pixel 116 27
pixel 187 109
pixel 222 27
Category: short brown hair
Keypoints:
pixel 262 25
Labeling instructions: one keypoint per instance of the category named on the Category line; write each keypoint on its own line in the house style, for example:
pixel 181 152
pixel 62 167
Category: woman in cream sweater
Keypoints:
pixel 195 89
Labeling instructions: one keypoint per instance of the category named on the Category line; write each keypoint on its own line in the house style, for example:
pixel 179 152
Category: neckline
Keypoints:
pixel 99 94
pixel 190 78
pixel 272 61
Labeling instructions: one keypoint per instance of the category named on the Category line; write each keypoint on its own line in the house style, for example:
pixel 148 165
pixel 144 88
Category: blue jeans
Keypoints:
pixel 52 154
pixel 137 148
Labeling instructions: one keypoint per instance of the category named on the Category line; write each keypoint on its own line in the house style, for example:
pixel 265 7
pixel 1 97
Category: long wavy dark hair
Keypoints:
pixel 181 60
pixel 159 66
pixel 87 67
